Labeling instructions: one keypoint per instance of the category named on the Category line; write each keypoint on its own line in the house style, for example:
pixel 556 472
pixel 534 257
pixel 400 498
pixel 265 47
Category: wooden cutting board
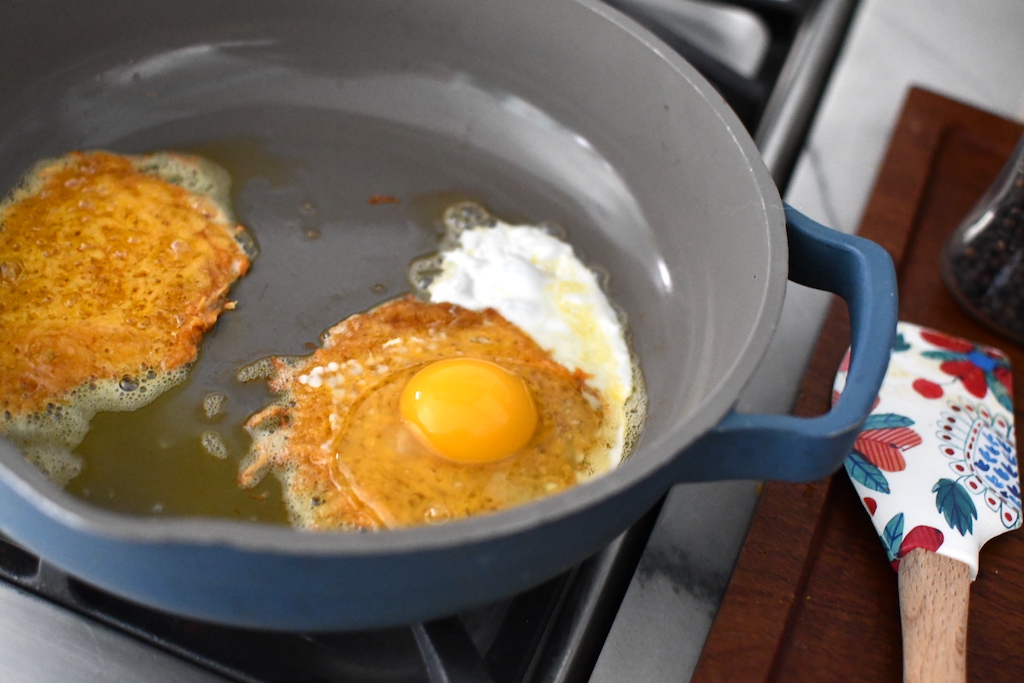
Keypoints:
pixel 812 597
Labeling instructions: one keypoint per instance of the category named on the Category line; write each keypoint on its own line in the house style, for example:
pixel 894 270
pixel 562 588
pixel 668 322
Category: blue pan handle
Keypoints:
pixel 788 448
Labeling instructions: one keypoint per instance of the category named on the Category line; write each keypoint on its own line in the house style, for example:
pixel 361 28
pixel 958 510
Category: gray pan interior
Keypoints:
pixel 543 111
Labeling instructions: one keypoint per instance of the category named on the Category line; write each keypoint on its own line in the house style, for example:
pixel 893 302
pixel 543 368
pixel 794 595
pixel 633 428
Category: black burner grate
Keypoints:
pixel 499 643
pixel 747 95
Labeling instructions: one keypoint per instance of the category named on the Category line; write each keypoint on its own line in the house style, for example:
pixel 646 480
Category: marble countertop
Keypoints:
pixel 967 51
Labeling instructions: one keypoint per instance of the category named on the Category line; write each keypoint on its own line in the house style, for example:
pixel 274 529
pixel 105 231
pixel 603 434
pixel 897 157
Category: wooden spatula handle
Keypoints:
pixel 934 593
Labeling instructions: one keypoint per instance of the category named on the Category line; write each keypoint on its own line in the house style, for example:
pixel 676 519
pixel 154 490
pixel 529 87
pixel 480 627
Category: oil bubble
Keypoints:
pixel 261 369
pixel 437 514
pixel 10 271
pixel 214 444
pixel 213 405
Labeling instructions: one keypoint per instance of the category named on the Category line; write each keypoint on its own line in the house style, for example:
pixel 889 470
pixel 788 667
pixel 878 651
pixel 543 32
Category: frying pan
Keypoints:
pixel 562 111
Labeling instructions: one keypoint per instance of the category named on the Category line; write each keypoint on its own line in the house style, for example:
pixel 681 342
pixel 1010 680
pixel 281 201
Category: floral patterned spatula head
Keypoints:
pixel 935 466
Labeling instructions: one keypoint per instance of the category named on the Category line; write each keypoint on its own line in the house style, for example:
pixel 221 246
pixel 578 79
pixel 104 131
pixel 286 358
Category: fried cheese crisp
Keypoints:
pixel 111 269
pixel 336 440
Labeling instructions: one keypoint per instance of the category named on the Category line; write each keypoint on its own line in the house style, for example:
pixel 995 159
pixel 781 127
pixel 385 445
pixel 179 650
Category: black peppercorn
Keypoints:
pixel 983 261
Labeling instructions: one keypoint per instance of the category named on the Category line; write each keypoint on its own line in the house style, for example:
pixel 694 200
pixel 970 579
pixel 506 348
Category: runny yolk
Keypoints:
pixel 469 410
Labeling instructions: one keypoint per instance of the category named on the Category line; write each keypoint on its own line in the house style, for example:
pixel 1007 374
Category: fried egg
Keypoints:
pixel 479 394
pixel 111 269
pixel 535 280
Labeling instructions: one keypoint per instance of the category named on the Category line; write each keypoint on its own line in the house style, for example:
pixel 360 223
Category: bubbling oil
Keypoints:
pixel 47 438
pixel 169 458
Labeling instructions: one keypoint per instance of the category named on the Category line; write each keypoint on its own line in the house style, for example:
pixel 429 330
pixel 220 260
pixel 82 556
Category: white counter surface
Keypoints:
pixel 971 51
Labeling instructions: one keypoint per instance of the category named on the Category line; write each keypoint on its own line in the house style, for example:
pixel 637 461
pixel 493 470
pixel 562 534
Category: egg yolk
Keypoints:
pixel 469 410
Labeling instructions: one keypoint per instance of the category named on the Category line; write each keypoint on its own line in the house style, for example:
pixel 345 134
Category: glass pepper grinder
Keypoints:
pixel 983 260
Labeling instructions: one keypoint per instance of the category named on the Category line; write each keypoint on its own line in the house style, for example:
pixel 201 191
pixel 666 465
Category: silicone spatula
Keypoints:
pixel 935 466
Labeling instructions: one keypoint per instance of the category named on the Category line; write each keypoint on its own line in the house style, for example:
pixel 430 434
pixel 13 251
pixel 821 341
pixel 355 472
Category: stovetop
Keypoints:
pixel 518 639
pixel 769 59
